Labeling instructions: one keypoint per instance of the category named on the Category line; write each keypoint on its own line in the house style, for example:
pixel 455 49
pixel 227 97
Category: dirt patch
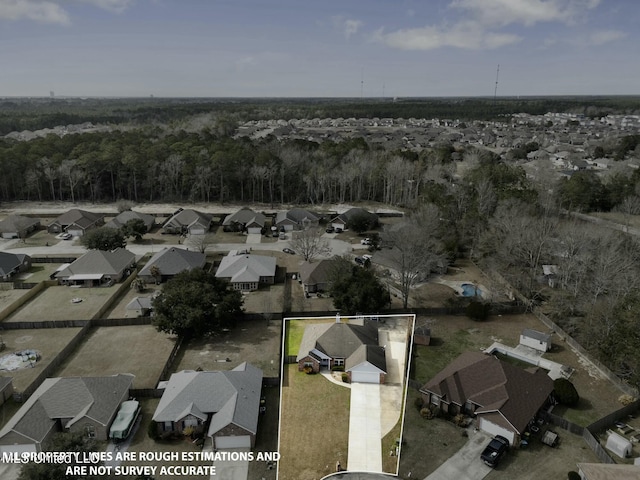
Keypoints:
pixel 255 342
pixel 140 350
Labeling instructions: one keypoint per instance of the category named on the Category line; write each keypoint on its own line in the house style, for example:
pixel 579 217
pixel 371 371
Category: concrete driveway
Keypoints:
pixel 232 470
pixel 466 463
pixel 365 447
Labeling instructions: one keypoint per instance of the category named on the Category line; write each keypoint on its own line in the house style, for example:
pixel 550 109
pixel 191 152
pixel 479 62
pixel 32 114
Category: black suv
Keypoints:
pixel 493 452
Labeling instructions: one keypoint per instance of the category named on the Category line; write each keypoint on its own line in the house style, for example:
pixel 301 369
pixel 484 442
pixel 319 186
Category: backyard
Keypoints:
pixel 139 350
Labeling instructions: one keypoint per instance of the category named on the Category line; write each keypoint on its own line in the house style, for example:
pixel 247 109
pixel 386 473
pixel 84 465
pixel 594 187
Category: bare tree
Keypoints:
pixel 415 249
pixel 201 242
pixel 310 244
pixel 629 207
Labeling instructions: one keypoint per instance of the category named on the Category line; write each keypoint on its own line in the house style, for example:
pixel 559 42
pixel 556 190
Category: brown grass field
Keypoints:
pixel 139 350
pixel 54 303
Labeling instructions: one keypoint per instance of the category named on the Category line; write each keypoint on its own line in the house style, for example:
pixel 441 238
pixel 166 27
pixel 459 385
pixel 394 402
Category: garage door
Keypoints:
pixel 197 231
pixel 75 233
pixel 241 441
pixel 18 448
pixel 254 230
pixel 493 429
pixel 365 377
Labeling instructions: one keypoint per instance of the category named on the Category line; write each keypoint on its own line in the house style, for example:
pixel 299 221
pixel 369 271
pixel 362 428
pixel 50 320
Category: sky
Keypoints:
pixel 319 48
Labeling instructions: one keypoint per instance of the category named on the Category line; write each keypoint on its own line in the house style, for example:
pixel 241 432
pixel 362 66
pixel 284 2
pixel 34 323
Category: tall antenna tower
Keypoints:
pixel 361 83
pixel 495 91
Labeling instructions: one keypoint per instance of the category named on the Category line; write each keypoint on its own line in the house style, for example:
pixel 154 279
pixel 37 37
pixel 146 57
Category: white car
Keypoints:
pixel 365 241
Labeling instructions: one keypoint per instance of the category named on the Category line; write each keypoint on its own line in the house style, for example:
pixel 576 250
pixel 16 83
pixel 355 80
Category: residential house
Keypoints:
pixel 537 340
pixel 76 222
pixel 296 219
pixel 86 405
pixel 17 226
pixel 98 267
pixel 247 272
pixel 349 346
pixel 342 221
pixel 169 262
pixel 13 263
pixel 139 307
pixel 244 219
pixel 122 218
pixel 316 276
pixel 188 221
pixel 228 402
pixel 502 397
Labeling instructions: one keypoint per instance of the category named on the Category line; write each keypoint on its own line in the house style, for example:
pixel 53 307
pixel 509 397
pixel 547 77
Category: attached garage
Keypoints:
pixel 366 373
pixel 197 230
pixel 76 232
pixel 257 230
pixel 494 429
pixel 226 442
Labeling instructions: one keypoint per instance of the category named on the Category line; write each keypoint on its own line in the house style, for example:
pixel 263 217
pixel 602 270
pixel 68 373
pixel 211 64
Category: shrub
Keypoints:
pixel 152 430
pixel 345 377
pixel 626 399
pixel 565 392
pixel 337 368
pixel 419 403
pixel 427 413
pixel 460 420
pixel 188 431
pixel 308 369
pixel 478 311
pixel 572 475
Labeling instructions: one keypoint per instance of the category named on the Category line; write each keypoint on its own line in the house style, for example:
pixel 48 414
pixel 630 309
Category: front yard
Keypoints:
pixel 314 426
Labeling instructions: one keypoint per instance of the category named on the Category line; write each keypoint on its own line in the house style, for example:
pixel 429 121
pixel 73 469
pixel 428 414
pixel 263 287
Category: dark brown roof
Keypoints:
pixel 342 339
pixel 493 385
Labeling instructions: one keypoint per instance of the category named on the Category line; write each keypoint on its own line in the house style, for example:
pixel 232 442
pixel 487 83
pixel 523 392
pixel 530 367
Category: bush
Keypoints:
pixel 308 370
pixel 626 399
pixel 427 413
pixel 337 368
pixel 572 475
pixel 478 311
pixel 565 392
pixel 345 377
pixel 460 420
pixel 152 430
pixel 419 403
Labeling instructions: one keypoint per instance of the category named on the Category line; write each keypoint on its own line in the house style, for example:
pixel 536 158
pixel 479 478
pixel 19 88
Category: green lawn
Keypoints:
pixel 314 426
pixel 431 359
pixel 293 338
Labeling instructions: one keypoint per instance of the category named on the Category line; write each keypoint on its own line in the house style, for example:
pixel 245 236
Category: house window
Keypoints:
pixel 90 430
pixel 338 362
pixel 168 426
pixel 435 399
pixel 308 364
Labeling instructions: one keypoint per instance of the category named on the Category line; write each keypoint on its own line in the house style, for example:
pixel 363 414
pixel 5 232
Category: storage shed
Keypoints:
pixel 536 340
pixel 619 445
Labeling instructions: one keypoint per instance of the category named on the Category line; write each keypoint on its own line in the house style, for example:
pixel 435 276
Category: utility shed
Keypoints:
pixel 536 340
pixel 619 445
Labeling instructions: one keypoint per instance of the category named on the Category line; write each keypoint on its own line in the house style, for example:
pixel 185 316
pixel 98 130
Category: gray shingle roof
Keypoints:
pixel 245 216
pixel 98 261
pixel 11 262
pixel 172 261
pixel 231 396
pixel 124 217
pixel 78 217
pixel 246 268
pixel 68 398
pixel 373 354
pixel 341 340
pixel 318 272
pixel 188 218
pixel 299 216
pixel 17 223
pixel 536 335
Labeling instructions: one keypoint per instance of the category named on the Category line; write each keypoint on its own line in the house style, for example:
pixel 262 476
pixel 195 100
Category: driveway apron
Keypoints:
pixel 466 463
pixel 365 446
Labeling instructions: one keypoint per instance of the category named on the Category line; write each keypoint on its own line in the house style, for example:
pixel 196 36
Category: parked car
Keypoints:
pixel 283 236
pixel 493 452
pixel 330 230
pixel 365 241
pixel 338 230
pixel 289 251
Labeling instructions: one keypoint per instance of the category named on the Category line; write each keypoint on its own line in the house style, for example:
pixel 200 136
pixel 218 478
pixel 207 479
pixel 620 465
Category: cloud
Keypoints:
pixel 466 35
pixel 53 11
pixel 38 11
pixel 116 6
pixel 481 23
pixel 348 27
pixel 526 12
pixel 605 36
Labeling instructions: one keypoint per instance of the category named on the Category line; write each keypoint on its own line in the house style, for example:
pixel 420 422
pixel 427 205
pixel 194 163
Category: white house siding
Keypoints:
pixel 493 429
pixel 257 230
